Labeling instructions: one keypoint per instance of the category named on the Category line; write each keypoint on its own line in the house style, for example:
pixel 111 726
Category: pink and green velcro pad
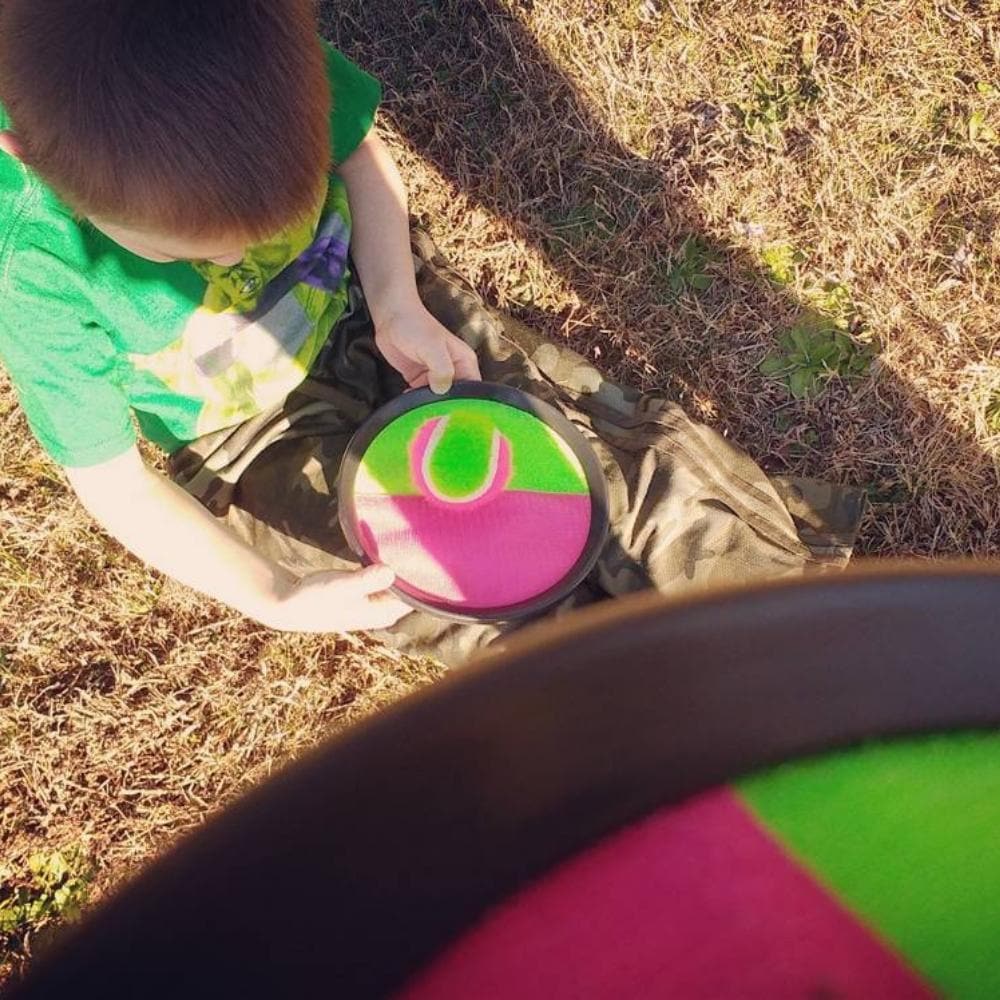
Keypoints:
pixel 905 838
pixel 870 873
pixel 481 507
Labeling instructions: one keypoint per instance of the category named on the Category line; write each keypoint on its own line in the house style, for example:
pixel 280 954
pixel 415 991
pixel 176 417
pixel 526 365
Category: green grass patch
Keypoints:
pixel 979 129
pixel 781 262
pixel 54 889
pixel 763 115
pixel 992 414
pixel 888 492
pixel 970 127
pixel 57 887
pixel 688 272
pixel 827 340
pixel 582 225
pixel 833 300
pixel 814 350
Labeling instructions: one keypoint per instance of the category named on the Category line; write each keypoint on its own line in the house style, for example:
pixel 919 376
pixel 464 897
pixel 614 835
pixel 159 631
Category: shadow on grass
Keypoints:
pixel 475 94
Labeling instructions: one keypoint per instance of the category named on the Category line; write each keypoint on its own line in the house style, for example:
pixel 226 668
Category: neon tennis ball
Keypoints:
pixel 460 458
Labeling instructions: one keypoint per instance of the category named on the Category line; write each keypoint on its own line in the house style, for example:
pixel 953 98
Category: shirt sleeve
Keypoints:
pixel 356 97
pixel 65 369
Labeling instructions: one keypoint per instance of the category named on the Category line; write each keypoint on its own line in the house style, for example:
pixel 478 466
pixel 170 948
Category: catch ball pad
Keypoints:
pixel 472 503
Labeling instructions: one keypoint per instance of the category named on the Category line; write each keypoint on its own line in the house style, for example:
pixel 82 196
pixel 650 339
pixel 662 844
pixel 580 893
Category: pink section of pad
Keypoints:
pixel 695 902
pixel 481 556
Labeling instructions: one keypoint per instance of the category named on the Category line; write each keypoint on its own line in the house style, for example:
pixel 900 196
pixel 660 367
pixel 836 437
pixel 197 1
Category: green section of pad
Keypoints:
pixel 907 835
pixel 460 462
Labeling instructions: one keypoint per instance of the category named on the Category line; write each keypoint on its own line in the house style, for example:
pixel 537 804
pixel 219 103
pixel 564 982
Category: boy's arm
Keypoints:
pixel 411 340
pixel 169 530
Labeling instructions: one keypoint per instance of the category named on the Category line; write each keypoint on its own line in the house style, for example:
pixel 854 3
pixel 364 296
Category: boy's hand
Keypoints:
pixel 336 602
pixel 423 351
pixel 410 339
pixel 194 548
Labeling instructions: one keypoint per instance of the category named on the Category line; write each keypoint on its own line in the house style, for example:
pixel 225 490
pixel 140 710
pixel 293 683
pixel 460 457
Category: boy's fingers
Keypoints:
pixel 466 366
pixel 440 368
pixel 385 610
pixel 440 382
pixel 373 579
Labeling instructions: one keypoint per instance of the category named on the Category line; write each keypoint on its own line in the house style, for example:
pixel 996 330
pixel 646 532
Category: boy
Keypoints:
pixel 181 186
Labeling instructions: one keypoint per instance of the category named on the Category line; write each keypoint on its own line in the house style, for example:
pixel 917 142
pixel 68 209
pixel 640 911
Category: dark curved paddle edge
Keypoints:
pixel 552 418
pixel 357 865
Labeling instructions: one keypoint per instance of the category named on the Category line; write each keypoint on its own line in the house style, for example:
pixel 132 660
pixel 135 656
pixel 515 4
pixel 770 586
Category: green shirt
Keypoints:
pixel 92 335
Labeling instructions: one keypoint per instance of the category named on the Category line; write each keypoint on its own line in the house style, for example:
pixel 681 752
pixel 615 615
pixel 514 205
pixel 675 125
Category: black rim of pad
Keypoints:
pixel 358 864
pixel 551 418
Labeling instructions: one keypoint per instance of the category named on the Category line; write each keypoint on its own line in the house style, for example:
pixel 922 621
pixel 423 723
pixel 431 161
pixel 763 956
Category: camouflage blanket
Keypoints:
pixel 688 509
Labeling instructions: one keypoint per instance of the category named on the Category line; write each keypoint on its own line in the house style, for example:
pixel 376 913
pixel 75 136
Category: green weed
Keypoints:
pixel 993 413
pixel 968 128
pixel 582 224
pixel 690 270
pixel 764 115
pixel 633 14
pixel 814 350
pixel 888 491
pixel 781 261
pixel 57 888
pixel 833 300
pixel 807 442
pixel 824 342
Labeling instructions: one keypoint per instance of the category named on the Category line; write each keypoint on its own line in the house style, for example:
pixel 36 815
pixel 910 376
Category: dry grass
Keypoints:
pixel 563 152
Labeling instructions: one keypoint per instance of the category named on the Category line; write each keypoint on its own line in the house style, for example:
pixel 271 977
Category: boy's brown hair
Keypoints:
pixel 187 117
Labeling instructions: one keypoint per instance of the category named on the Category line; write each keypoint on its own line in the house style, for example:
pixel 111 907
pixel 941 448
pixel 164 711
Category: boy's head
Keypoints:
pixel 182 128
